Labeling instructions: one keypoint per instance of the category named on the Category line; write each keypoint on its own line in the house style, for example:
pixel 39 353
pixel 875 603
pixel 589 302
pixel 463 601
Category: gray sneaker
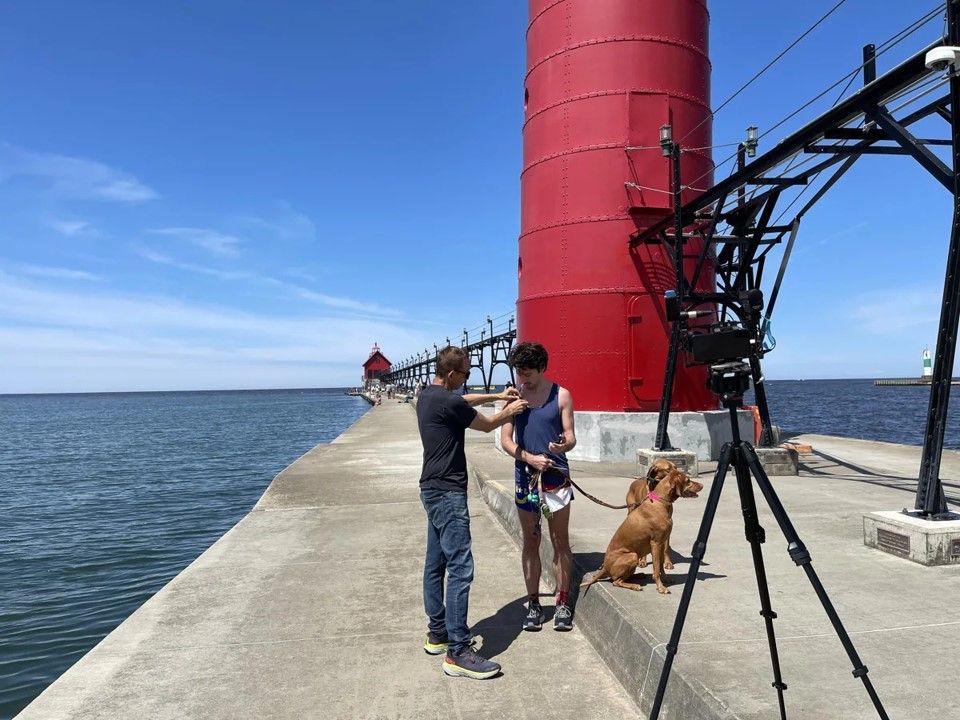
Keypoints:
pixel 534 619
pixel 467 663
pixel 435 643
pixel 563 618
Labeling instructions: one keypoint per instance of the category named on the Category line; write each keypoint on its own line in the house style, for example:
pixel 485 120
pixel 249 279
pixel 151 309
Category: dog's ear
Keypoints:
pixel 676 484
pixel 659 470
pixel 652 474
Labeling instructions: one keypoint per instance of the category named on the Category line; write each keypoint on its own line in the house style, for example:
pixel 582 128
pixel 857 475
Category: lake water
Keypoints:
pixel 858 409
pixel 106 497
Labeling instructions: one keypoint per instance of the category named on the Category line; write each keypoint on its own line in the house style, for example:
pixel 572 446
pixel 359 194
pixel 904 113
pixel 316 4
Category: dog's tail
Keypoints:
pixel 599 575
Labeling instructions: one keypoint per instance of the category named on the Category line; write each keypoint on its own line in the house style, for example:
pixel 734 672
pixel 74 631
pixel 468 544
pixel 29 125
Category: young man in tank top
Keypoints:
pixel 443 418
pixel 538 439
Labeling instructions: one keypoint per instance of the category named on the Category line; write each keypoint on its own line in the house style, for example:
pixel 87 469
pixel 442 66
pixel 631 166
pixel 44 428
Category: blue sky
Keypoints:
pixel 203 195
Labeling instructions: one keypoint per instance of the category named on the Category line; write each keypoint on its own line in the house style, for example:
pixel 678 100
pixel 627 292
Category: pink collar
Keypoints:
pixel 653 498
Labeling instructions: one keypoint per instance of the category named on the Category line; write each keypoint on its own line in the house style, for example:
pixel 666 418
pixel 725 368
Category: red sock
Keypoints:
pixel 562 597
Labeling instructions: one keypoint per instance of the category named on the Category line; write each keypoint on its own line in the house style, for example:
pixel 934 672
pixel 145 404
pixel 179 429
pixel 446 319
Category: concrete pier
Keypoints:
pixel 310 607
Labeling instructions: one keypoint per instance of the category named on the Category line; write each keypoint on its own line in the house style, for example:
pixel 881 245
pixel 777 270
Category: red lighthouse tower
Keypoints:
pixel 602 77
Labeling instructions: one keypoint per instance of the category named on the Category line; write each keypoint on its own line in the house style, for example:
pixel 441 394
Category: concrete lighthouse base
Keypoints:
pixel 616 437
pixel 622 437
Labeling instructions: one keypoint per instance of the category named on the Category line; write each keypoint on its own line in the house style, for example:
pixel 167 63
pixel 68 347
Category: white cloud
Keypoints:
pixel 330 301
pixel 58 340
pixel 162 259
pixel 892 310
pixel 71 228
pixel 53 307
pixel 341 303
pixel 45 360
pixel 56 272
pixel 300 274
pixel 815 241
pixel 285 224
pixel 214 242
pixel 74 178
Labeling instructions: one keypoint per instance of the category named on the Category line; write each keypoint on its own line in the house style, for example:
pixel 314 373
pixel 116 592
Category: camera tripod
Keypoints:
pixel 745 461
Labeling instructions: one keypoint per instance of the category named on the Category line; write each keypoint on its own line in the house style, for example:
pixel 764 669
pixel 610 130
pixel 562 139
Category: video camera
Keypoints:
pixel 724 346
pixel 723 342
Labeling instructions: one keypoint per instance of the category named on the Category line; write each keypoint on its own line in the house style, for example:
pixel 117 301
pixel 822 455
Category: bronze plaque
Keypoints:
pixel 893 542
pixel 955 549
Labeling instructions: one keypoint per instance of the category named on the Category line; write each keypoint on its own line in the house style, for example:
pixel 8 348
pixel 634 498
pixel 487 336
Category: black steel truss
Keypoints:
pixel 738 224
pixel 486 352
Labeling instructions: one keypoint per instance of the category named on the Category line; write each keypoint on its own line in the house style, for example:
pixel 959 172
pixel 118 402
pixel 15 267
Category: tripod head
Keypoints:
pixel 730 380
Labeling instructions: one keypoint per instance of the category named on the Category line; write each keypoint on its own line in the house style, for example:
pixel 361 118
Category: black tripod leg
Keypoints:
pixel 699 549
pixel 756 537
pixel 801 556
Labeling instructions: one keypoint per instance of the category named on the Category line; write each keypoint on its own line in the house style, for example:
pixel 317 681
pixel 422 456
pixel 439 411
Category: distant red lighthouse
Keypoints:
pixel 376 365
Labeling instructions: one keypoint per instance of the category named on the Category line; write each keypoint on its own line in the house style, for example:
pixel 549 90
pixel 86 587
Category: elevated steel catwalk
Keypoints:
pixel 490 349
pixel 739 222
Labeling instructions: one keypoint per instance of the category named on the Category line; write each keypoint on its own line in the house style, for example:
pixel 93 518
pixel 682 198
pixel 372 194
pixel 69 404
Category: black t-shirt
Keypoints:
pixel 443 417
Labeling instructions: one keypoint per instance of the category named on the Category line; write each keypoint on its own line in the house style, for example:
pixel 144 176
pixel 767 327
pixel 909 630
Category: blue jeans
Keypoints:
pixel 448 554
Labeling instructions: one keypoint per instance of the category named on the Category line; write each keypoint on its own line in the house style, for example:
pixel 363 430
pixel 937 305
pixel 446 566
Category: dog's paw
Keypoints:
pixel 667 565
pixel 663 590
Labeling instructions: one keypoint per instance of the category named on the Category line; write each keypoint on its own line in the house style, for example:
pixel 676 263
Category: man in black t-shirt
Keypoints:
pixel 443 418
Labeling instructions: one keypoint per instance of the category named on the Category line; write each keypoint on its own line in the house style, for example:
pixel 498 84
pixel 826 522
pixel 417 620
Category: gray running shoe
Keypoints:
pixel 534 619
pixel 563 618
pixel 467 663
pixel 435 644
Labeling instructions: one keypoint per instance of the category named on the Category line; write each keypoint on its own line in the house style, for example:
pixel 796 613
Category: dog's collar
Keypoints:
pixel 654 498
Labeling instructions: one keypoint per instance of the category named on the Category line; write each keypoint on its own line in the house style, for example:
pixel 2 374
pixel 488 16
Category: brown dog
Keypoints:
pixel 638 491
pixel 646 529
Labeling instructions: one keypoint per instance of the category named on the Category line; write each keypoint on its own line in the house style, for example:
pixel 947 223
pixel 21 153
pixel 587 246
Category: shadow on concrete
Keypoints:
pixel 585 564
pixel 671 578
pixel 893 482
pixel 680 579
pixel 853 467
pixel 501 629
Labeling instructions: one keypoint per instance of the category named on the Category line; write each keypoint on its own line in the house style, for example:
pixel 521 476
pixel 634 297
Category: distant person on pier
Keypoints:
pixel 539 440
pixel 443 418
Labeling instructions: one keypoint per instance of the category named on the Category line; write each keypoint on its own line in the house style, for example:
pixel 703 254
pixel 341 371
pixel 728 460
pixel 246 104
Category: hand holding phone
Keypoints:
pixel 558 445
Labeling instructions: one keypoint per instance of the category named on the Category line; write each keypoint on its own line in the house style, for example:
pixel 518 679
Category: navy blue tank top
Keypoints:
pixel 535 428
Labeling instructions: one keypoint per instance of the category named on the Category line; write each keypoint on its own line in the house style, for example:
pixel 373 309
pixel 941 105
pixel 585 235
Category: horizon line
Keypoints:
pixel 344 387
